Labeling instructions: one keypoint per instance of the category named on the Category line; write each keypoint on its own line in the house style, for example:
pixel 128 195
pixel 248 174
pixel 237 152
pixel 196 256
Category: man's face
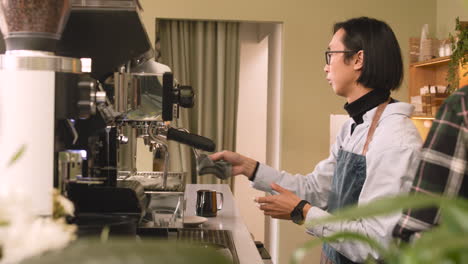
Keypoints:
pixel 341 75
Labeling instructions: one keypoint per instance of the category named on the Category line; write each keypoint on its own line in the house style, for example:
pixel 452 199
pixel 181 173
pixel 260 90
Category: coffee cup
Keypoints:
pixel 207 203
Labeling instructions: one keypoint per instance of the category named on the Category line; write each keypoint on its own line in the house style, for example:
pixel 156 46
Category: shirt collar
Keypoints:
pixel 370 100
pixel 400 108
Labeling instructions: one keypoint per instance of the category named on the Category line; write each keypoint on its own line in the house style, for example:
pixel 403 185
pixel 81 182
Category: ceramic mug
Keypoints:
pixel 207 203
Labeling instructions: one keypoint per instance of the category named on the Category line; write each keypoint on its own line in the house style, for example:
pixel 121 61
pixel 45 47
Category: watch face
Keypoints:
pixel 297 216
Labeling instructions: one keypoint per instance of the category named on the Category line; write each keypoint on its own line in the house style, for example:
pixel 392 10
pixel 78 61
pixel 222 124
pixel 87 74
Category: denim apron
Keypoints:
pixel 348 179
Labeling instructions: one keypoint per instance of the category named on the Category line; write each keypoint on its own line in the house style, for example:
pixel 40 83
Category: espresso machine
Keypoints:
pixel 81 89
pixel 142 100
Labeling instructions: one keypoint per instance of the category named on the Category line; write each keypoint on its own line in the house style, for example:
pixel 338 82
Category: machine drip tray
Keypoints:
pixel 220 240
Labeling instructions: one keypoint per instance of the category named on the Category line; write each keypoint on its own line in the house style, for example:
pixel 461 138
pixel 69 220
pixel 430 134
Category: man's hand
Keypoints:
pixel 278 206
pixel 240 164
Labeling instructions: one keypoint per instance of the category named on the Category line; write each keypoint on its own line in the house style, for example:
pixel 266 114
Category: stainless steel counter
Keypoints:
pixel 227 219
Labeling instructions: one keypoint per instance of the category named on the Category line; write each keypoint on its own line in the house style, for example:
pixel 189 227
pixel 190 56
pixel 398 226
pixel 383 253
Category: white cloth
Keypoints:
pixel 151 66
pixel 392 154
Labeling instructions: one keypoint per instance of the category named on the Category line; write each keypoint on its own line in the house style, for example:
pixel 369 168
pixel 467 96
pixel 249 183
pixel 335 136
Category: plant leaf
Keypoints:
pixel 458 57
pixel 126 250
pixel 17 155
pixel 337 237
pixel 446 243
pixel 105 234
pixel 434 246
pixel 385 206
pixel 455 216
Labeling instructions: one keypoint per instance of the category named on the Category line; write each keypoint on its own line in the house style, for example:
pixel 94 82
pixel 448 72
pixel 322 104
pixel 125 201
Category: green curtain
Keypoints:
pixel 205 55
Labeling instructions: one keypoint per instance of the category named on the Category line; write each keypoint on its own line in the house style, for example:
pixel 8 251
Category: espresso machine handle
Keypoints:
pixel 190 139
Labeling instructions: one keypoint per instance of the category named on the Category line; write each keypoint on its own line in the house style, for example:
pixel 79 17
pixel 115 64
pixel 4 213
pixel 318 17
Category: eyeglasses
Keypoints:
pixel 328 54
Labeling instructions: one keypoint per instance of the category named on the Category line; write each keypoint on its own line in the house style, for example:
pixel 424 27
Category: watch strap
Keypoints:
pixel 297 215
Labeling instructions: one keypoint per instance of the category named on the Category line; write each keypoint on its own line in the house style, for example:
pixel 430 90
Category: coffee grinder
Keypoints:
pixel 35 81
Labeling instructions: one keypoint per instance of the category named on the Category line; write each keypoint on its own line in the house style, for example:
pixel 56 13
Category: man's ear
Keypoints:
pixel 359 60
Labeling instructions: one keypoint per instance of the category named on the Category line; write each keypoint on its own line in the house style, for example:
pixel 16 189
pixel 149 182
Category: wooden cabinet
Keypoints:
pixel 431 72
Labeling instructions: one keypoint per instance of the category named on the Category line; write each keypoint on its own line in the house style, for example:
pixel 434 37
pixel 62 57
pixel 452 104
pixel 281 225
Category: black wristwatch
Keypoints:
pixel 296 215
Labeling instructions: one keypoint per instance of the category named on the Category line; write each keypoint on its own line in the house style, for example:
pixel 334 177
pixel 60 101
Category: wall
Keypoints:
pixel 447 11
pixel 251 128
pixel 274 31
pixel 307 99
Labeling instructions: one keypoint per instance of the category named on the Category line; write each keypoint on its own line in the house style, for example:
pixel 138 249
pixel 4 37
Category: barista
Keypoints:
pixel 373 152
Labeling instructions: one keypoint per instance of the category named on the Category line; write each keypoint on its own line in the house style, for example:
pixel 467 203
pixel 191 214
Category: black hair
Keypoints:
pixel 383 65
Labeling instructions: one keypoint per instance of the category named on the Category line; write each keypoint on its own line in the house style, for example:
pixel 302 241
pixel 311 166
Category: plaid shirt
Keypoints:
pixel 442 169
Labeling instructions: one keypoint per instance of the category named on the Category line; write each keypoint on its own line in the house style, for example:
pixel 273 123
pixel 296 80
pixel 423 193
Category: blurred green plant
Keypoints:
pixel 459 56
pixel 17 155
pixel 446 243
pixel 12 161
pixel 123 251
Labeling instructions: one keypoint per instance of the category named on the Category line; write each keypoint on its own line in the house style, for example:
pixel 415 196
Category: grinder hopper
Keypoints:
pixel 33 24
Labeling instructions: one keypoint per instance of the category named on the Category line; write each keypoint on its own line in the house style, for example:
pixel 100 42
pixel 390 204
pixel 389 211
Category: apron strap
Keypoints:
pixel 324 259
pixel 375 122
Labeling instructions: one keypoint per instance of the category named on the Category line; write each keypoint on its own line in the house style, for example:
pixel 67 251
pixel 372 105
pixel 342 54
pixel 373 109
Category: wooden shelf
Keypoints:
pixel 422 117
pixel 430 72
pixel 431 62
